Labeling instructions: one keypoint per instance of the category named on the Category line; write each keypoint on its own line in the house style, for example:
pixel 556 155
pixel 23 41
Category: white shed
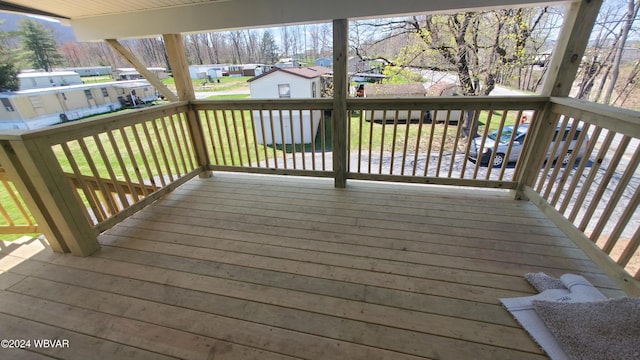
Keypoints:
pixel 286 127
pixel 294 83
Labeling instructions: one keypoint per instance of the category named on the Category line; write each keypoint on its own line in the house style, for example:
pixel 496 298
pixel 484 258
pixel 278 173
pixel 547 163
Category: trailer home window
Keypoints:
pixel 88 94
pixel 7 105
pixel 105 93
pixel 284 90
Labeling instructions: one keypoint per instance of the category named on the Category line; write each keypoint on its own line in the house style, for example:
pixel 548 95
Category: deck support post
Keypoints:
pixel 573 40
pixel 36 173
pixel 340 123
pixel 184 87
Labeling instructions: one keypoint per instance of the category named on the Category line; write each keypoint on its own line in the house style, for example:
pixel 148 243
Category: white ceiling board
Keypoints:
pixel 121 19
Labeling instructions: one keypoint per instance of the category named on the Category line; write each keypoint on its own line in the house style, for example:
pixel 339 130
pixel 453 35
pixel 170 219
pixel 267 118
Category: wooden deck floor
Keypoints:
pixel 272 267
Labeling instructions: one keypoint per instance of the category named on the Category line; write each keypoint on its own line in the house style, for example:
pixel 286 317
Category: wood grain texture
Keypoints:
pixel 242 266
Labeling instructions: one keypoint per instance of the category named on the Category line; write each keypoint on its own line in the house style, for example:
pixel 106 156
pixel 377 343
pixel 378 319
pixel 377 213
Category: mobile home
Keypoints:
pixel 37 108
pixel 41 80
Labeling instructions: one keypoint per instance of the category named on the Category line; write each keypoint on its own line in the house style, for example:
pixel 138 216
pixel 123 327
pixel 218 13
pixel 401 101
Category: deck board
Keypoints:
pixel 265 267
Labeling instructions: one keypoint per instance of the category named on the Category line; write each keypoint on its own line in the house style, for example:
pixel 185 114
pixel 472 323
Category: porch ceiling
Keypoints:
pixel 96 19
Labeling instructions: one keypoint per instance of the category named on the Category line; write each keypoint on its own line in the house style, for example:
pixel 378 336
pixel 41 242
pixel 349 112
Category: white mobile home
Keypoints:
pixel 89 70
pixel 41 80
pixel 133 74
pixel 210 71
pixel 37 108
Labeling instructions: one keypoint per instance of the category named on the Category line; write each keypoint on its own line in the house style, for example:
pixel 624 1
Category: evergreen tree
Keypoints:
pixel 39 45
pixel 268 48
pixel 8 70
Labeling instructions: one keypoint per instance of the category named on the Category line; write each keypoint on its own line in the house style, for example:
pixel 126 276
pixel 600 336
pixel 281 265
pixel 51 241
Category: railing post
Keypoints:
pixel 197 136
pixel 184 87
pixel 340 120
pixel 562 71
pixel 535 149
pixel 40 180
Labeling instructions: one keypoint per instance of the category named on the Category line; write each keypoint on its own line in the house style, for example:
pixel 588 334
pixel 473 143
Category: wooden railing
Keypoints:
pixel 15 217
pixel 593 182
pixel 588 165
pixel 117 164
pixel 432 140
pixel 268 136
pixel 295 137
pixel 102 170
pixel 105 169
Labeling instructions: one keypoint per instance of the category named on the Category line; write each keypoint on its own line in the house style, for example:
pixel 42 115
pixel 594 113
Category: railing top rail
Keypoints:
pixel 73 130
pixel 451 103
pixel 264 104
pixel 613 118
pixel 403 103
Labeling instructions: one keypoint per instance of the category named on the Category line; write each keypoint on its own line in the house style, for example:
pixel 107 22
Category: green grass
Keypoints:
pixel 401 76
pixel 232 147
pixel 157 136
pixel 12 209
pixel 379 136
pixel 96 79
pixel 226 83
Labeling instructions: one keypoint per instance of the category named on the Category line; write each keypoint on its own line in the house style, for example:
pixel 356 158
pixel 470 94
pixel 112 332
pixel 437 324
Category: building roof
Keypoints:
pixel 307 72
pixel 394 90
pixel 46 74
pixel 59 89
pixel 439 88
pixel 134 70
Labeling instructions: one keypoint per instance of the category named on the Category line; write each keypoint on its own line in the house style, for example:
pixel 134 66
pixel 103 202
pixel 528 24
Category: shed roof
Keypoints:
pixel 46 74
pixel 391 90
pixel 307 72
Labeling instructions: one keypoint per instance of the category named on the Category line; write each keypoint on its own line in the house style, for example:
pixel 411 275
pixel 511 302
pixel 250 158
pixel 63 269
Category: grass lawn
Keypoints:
pixel 96 79
pixel 226 83
pixel 9 206
pixel 382 135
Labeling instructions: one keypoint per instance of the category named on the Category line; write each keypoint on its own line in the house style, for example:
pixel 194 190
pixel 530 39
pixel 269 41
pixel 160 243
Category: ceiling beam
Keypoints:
pixel 127 55
pixel 243 14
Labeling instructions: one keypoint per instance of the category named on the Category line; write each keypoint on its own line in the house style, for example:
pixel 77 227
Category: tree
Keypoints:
pixel 482 48
pixel 605 77
pixel 268 48
pixel 39 45
pixel 8 70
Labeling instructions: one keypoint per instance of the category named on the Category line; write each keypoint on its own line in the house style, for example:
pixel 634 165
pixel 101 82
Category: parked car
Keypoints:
pixel 518 140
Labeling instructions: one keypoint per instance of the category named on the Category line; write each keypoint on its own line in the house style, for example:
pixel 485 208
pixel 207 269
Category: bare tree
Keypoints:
pixel 285 41
pixel 481 48
pixel 236 42
pixel 625 28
